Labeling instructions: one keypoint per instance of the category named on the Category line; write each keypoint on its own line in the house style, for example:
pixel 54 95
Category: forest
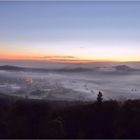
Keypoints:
pixel 30 118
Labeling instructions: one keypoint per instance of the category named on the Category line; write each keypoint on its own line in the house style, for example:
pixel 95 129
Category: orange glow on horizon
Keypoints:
pixel 66 59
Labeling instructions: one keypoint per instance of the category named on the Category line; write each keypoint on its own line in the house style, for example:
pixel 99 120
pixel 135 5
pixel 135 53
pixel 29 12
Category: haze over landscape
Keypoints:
pixel 70 50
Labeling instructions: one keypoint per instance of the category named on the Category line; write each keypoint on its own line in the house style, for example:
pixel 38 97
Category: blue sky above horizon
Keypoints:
pixel 100 31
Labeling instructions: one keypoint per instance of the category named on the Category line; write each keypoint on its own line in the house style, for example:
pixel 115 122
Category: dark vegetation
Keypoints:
pixel 26 118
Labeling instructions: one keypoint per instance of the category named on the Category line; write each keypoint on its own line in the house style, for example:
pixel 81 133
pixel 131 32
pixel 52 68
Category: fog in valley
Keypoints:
pixel 71 82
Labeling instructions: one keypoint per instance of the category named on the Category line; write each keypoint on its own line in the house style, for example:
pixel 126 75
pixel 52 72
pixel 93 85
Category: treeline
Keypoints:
pixel 101 119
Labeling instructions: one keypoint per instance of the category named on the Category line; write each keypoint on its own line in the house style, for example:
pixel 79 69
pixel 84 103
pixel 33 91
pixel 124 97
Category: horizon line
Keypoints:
pixel 74 62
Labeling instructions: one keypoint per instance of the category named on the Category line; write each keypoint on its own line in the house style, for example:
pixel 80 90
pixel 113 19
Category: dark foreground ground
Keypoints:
pixel 26 118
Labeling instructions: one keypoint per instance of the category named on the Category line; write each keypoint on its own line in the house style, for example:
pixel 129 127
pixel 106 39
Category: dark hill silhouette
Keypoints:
pixel 119 68
pixel 16 68
pixel 36 119
pixel 8 67
pixel 124 68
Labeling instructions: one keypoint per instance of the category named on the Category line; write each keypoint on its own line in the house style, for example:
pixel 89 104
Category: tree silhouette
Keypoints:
pixel 100 97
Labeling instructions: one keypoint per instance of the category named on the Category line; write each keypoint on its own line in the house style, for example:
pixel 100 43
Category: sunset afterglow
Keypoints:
pixel 70 31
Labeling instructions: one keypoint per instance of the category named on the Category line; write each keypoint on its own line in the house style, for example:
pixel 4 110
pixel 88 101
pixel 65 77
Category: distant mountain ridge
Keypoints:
pixel 17 68
pixel 119 68
pixel 124 68
pixel 8 67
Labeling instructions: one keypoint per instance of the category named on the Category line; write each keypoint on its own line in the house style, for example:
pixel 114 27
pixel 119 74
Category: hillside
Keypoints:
pixel 22 118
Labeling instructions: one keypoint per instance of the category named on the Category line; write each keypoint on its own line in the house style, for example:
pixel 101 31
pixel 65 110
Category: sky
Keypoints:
pixel 70 31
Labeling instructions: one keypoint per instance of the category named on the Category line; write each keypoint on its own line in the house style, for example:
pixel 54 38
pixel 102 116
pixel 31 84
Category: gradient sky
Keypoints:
pixel 70 31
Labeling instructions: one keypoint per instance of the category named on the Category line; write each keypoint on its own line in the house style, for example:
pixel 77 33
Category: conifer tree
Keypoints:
pixel 100 97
